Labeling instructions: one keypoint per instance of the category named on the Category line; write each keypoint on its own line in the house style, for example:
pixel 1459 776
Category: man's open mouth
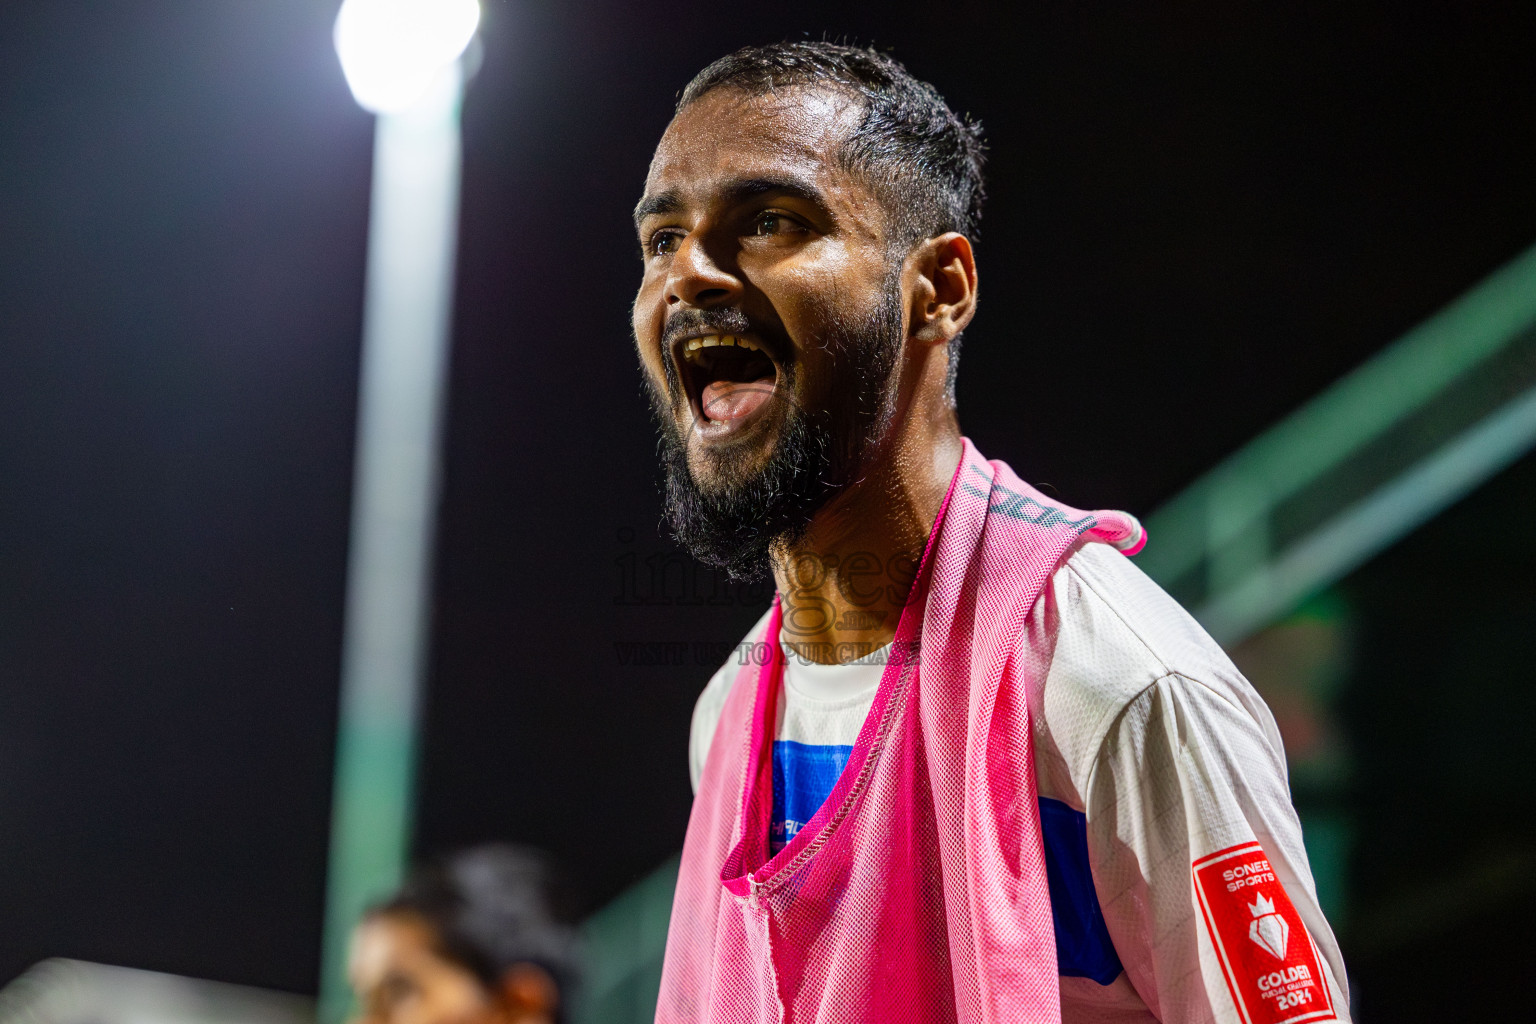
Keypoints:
pixel 728 377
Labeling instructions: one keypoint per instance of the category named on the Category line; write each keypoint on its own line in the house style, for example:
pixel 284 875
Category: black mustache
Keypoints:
pixel 692 321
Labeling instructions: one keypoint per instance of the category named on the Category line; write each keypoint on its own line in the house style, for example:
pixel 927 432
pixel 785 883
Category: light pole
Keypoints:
pixel 402 60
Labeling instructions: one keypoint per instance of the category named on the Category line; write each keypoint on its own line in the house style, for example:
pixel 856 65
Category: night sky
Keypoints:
pixel 1200 215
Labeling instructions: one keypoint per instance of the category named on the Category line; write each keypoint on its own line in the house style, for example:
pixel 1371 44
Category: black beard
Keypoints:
pixel 818 453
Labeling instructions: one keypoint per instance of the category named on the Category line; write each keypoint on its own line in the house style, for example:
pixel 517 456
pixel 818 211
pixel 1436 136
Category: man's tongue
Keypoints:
pixel 734 400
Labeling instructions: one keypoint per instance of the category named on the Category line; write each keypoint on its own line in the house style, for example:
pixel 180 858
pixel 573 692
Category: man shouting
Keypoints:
pixel 972 765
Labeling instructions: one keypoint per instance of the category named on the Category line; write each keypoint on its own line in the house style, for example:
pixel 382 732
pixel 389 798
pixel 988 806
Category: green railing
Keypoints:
pixel 623 943
pixel 1375 455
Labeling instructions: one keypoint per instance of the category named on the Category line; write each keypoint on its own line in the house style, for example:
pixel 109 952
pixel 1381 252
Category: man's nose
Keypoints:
pixel 699 278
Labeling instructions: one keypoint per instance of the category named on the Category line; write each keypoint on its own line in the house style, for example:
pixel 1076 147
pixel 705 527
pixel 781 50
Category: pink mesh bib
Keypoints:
pixel 917 893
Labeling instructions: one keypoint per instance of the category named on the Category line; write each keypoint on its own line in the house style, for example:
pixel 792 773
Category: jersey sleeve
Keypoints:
pixel 711 702
pixel 706 716
pixel 1199 865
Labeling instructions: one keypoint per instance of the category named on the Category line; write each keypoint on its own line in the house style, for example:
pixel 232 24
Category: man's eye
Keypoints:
pixel 768 224
pixel 664 243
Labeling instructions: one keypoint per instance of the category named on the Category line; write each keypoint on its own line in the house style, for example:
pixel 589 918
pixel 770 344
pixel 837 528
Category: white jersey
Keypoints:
pixel 1163 795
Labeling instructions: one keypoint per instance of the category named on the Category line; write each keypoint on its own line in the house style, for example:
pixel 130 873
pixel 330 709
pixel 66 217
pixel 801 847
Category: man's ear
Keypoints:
pixel 527 994
pixel 943 272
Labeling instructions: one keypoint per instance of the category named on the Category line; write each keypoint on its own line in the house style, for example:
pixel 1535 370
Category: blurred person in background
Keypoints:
pixel 478 937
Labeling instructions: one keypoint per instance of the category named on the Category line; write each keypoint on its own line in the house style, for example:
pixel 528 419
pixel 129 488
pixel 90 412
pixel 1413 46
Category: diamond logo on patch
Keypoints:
pixel 1272 967
pixel 1268 929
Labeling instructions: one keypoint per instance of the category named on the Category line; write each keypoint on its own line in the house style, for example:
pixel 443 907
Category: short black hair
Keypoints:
pixel 924 161
pixel 492 907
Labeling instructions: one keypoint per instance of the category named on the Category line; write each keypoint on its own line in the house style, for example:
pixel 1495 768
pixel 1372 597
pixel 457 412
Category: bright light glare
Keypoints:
pixel 393 50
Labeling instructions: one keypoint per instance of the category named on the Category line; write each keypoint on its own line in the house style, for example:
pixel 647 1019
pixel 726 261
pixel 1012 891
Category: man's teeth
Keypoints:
pixel 697 345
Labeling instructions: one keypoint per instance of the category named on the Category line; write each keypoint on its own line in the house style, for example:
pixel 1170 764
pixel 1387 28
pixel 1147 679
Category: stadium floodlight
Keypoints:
pixel 393 51
pixel 403 61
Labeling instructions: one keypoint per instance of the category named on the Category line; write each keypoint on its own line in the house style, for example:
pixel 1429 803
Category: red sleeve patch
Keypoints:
pixel 1271 966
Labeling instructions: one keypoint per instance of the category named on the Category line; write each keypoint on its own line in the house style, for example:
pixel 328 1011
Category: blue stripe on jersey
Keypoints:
pixel 1083 946
pixel 805 773
pixel 803 777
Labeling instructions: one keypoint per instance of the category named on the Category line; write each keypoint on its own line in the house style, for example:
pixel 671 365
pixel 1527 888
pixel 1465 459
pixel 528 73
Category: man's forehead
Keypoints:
pixel 728 134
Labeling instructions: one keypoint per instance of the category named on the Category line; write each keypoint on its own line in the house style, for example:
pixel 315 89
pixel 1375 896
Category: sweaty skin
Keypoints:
pixel 745 207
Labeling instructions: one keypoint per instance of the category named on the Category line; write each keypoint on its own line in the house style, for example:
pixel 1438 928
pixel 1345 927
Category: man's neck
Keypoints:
pixel 844 584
